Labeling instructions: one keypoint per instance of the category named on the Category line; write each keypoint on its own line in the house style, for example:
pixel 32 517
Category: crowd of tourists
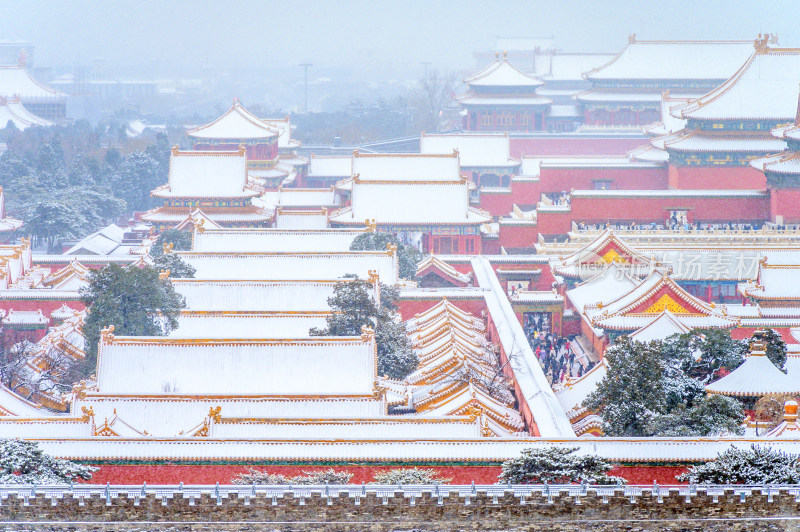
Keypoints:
pixel 554 352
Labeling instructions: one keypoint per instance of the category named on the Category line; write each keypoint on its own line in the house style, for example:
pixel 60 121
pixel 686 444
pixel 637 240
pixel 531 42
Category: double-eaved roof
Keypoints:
pixel 501 73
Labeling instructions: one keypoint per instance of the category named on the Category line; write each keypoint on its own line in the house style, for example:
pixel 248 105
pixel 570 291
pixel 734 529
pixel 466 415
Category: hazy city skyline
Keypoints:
pixel 387 35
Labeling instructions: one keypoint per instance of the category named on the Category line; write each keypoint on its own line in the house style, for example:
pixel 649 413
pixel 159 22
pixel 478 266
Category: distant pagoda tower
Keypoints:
pixel 503 98
pixel 239 127
pixel 214 181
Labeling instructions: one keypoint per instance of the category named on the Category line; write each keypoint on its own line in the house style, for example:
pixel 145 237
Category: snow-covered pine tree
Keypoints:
pixel 556 465
pixel 23 462
pixel 756 465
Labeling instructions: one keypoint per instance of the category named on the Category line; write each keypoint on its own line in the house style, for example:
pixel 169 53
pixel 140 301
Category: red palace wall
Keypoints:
pixel 646 210
pixel 555 223
pixel 500 203
pixel 490 246
pixel 565 179
pixel 224 473
pixel 411 307
pixel 785 202
pixel 720 178
pixel 518 236
pixel 574 145
pixel 744 333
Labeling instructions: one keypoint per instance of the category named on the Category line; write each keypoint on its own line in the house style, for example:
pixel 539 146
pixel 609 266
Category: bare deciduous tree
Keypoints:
pixel 434 93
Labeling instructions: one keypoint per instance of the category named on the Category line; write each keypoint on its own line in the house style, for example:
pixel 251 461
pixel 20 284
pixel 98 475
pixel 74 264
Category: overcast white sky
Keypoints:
pixel 391 33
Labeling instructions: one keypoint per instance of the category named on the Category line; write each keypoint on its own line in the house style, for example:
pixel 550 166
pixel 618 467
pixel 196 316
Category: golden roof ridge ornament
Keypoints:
pixel 367 333
pixel 373 277
pixel 391 249
pixel 163 274
pixel 761 44
pixel 371 224
pixel 107 335
pixel 214 414
pixel 631 38
pixel 168 248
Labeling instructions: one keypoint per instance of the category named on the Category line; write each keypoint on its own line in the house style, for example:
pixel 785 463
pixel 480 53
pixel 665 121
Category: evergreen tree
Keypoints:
pixel 134 300
pixel 180 240
pixel 353 306
pixel 23 462
pixel 756 465
pixel 177 267
pixel 704 352
pixel 556 465
pixel 647 392
pixel 407 257
pixel 633 391
pixel 776 347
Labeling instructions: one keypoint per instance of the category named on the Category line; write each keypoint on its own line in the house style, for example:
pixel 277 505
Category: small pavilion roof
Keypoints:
pixel 237 123
pixel 501 73
pixel 756 377
pixel 764 88
pixel 664 326
pixel 73 276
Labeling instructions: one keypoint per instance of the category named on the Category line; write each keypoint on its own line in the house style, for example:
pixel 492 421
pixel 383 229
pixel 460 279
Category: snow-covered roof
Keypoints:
pixel 709 142
pixel 14 111
pixel 606 286
pixel 301 219
pixel 232 240
pixel 12 404
pixel 664 326
pixel 407 167
pixel 568 66
pixel 414 189
pixel 471 98
pixel 247 324
pixel 333 166
pixel 156 365
pixel 573 392
pixel 25 317
pixel 592 258
pixel 236 123
pixel 774 282
pixel 15 80
pixel 669 124
pixel 756 377
pixel 73 276
pixel 256 296
pixel 788 428
pixel 102 242
pixel 649 153
pixel 678 60
pixel 292 265
pixel 298 197
pixel 284 128
pixel 764 88
pixel 699 193
pixel 432 264
pixel 207 174
pixel 501 73
pixel 783 163
pixel 474 150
